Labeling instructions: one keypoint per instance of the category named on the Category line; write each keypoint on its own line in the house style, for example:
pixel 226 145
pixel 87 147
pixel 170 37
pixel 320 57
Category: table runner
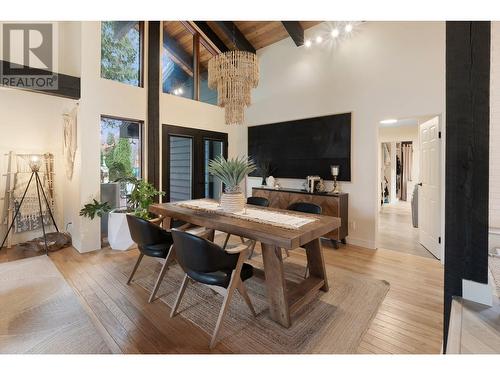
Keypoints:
pixel 278 219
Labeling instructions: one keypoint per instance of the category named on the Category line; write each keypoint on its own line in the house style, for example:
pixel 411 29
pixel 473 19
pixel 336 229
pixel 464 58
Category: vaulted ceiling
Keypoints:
pixel 180 38
pixel 229 35
pixel 258 34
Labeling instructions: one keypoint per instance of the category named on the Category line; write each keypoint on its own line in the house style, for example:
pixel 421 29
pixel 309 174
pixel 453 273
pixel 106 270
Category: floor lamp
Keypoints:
pixel 35 164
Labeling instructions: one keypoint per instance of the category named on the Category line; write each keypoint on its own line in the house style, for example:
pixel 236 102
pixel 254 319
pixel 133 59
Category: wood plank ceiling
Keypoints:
pixel 246 35
pixel 260 34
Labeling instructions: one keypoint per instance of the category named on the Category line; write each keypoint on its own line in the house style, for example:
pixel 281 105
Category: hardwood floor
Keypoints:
pixel 396 232
pixel 409 320
pixel 474 328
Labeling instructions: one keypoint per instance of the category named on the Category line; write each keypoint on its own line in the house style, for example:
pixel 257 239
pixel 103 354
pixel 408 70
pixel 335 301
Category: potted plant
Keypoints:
pixel 138 202
pixel 91 210
pixel 141 197
pixel 265 170
pixel 231 172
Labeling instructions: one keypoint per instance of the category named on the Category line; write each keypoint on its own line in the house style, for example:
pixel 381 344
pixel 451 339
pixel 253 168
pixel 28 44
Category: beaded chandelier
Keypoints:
pixel 233 74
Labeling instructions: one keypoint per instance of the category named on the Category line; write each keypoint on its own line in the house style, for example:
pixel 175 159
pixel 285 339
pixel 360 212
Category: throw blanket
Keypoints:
pixel 29 214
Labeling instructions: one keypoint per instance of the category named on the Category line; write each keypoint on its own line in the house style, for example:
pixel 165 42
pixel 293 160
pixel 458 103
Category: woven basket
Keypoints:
pixel 232 202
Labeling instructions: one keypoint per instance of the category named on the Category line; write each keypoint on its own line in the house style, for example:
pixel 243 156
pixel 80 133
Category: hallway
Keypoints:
pixel 395 230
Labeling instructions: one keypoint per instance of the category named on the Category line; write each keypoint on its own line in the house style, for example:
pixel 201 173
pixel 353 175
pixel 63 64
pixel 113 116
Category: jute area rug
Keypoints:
pixel 334 322
pixel 40 313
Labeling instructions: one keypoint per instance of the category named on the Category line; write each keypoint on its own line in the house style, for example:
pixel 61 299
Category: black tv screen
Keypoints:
pixel 300 148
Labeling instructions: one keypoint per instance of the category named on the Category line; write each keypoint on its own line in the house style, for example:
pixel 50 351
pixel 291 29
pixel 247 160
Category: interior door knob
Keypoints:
pixel 419 184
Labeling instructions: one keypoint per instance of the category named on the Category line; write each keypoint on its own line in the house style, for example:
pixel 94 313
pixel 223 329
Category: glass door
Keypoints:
pixel 213 185
pixel 185 156
pixel 181 168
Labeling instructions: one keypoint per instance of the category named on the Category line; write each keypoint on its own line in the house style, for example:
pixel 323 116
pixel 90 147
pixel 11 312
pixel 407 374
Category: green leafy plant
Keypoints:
pixel 231 171
pixel 119 53
pixel 142 196
pixel 91 210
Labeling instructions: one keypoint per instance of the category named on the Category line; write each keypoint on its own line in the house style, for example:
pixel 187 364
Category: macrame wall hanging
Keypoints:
pixel 69 140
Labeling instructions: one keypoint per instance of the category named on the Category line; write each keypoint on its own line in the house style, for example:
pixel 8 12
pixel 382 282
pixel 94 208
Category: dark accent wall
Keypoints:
pixel 305 147
pixel 153 138
pixel 467 157
pixel 68 86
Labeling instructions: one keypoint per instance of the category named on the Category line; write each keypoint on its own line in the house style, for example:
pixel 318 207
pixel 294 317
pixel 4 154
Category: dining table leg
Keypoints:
pixel 316 262
pixel 276 285
pixel 210 234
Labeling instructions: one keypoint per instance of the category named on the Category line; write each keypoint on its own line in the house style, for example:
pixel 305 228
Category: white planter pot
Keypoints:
pixel 118 232
pixel 232 202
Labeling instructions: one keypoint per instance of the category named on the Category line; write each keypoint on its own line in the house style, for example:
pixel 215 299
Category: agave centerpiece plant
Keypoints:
pixel 231 172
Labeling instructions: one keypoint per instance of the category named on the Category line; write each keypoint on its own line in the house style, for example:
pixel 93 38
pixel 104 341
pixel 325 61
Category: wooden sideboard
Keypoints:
pixel 335 205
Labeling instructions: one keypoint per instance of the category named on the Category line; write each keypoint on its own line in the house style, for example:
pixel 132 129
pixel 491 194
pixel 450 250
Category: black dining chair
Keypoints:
pixel 254 201
pixel 308 208
pixel 207 263
pixel 258 201
pixel 152 241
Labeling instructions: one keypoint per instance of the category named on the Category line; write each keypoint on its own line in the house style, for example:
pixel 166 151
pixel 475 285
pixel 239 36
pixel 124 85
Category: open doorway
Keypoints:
pixel 409 175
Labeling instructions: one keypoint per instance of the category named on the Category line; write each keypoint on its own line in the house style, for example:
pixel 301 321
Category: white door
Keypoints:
pixel 429 211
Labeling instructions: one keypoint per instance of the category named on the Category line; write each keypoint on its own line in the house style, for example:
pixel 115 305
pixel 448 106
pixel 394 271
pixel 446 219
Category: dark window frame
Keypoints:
pixel 141 137
pixel 198 39
pixel 198 137
pixel 141 58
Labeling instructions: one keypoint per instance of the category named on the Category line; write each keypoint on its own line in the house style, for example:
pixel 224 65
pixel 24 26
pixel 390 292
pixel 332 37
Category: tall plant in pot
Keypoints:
pixel 231 172
pixel 141 196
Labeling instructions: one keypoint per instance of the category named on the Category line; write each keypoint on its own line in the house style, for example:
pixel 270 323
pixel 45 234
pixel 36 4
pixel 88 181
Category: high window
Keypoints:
pixel 185 59
pixel 121 51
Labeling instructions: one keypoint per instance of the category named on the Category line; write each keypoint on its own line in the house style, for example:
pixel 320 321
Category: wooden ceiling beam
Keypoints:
pixel 295 31
pixel 234 34
pixel 209 34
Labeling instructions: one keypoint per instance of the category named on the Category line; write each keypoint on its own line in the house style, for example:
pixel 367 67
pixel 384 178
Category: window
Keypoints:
pixel 121 51
pixel 185 156
pixel 181 160
pixel 177 60
pixel 185 59
pixel 206 95
pixel 121 154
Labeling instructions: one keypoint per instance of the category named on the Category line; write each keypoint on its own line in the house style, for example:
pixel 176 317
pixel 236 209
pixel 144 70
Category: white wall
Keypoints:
pixel 98 97
pixel 387 69
pixel 32 123
pixel 66 40
pixel 494 203
pixel 180 111
pixel 495 127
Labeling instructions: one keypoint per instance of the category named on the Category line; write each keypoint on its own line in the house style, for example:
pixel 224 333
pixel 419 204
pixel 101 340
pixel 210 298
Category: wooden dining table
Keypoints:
pixel 283 303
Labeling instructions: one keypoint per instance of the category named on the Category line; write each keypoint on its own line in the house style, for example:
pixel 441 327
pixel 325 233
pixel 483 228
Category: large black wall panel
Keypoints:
pixel 467 157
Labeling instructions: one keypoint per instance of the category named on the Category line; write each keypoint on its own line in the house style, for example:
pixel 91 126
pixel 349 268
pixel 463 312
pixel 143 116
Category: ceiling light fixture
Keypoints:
pixel 389 121
pixel 307 43
pixel 335 33
pixel 319 39
pixel 233 74
pixel 348 28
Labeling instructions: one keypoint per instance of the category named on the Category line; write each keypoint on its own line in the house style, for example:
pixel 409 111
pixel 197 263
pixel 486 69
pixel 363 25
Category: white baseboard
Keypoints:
pixel 477 292
pixel 361 242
